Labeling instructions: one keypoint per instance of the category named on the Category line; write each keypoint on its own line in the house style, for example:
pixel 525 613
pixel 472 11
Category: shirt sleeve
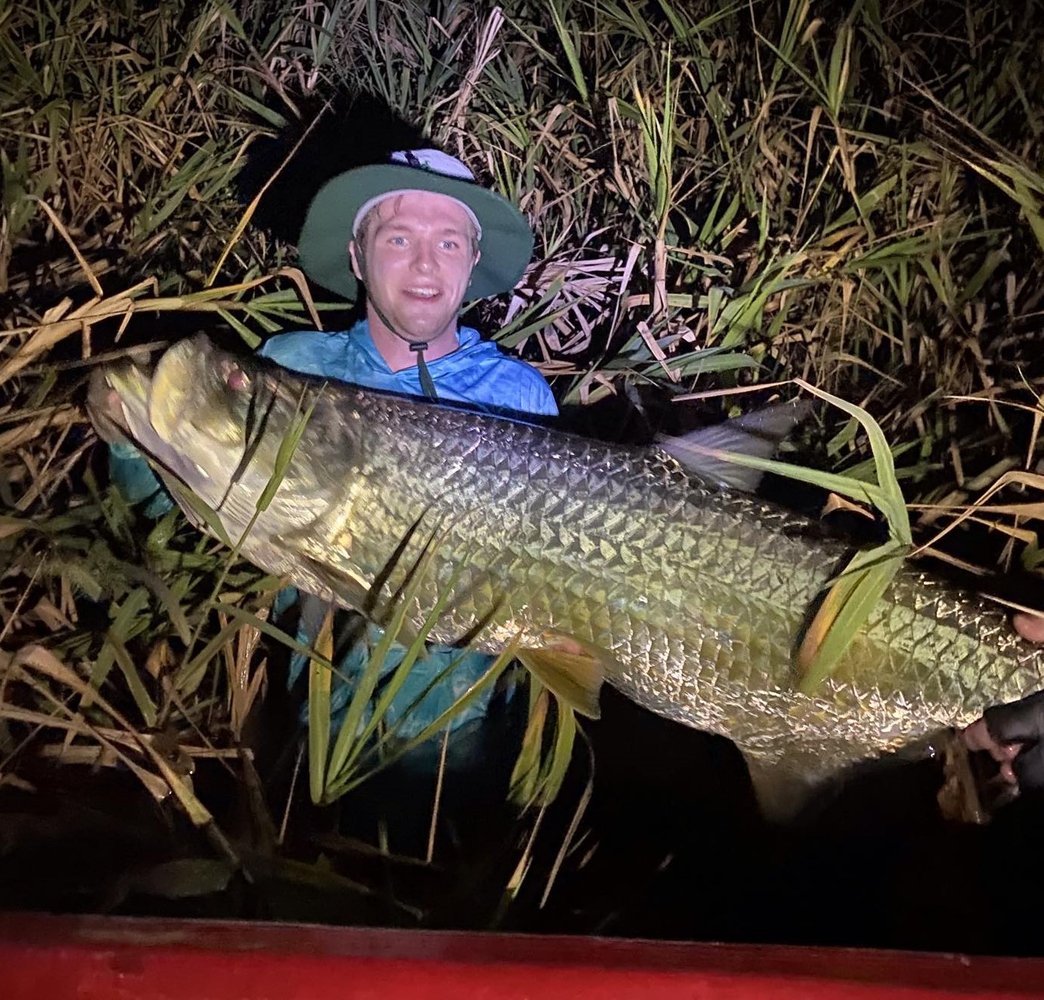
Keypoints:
pixel 543 401
pixel 136 481
pixel 531 393
pixel 301 351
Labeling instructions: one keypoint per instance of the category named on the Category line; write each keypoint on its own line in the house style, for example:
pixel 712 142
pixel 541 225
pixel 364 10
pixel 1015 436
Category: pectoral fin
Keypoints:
pixel 570 669
pixel 348 590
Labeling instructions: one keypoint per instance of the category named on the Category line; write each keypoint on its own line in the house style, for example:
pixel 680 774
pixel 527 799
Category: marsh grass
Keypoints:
pixel 724 196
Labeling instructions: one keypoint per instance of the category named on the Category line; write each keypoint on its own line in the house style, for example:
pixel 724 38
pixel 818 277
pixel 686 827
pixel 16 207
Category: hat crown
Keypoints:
pixel 343 201
pixel 433 160
pixel 427 161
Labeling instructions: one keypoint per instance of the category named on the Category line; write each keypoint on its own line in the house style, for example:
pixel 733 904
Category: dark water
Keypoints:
pixel 672 847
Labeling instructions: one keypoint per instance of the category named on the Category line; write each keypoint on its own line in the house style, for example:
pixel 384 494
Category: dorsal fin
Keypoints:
pixel 758 434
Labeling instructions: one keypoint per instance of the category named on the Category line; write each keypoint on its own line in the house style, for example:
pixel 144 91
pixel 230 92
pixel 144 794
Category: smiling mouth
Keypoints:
pixel 423 293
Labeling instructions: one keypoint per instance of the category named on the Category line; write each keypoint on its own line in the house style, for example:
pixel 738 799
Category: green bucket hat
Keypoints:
pixel 505 239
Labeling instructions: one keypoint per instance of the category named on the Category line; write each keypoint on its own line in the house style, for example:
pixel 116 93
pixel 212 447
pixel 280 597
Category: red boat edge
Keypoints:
pixel 91 957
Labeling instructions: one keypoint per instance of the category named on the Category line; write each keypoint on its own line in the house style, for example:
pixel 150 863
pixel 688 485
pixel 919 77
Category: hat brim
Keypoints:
pixel 506 245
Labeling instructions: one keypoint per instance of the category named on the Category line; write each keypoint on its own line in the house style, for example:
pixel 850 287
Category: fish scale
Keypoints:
pixel 759 583
pixel 693 597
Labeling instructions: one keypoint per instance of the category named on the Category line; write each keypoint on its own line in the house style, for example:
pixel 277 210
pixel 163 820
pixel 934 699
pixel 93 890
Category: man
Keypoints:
pixel 422 236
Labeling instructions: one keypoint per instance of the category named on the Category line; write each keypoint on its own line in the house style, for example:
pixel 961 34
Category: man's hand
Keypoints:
pixel 1029 626
pixel 1013 734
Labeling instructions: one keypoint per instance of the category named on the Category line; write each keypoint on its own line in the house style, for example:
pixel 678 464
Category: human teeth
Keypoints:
pixel 428 293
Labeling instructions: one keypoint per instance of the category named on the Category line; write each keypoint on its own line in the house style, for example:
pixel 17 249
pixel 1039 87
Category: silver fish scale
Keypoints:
pixel 696 594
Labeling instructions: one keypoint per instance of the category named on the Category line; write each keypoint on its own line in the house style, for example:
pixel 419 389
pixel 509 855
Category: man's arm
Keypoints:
pixel 136 481
pixel 1013 734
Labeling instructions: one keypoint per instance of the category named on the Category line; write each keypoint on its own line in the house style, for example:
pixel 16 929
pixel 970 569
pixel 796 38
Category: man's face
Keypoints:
pixel 418 250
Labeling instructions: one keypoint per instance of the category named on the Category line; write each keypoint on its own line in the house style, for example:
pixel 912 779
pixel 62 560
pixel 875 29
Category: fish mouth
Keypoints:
pixel 145 403
pixel 139 396
pixel 117 399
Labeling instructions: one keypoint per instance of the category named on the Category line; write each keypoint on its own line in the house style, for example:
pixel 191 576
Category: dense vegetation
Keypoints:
pixel 725 197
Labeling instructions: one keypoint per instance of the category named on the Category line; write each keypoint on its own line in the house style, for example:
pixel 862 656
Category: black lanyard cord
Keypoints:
pixel 419 347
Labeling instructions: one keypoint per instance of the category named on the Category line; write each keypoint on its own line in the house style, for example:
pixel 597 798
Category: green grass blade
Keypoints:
pixel 320 678
pixel 845 610
pixel 145 705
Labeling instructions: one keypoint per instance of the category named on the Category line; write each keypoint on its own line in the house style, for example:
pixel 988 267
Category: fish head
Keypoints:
pixel 207 416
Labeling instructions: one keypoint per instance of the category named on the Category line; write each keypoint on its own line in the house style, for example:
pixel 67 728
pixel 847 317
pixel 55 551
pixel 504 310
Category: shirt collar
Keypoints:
pixel 360 336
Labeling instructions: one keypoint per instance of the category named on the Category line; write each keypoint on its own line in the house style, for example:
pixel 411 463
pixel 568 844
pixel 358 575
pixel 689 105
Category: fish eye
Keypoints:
pixel 235 378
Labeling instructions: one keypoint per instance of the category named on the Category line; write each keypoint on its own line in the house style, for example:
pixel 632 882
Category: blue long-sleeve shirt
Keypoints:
pixel 477 372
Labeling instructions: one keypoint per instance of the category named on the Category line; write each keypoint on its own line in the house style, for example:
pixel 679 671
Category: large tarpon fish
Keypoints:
pixel 692 598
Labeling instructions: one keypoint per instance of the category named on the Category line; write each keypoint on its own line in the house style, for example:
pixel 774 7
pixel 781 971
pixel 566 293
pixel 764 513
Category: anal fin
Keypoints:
pixel 783 792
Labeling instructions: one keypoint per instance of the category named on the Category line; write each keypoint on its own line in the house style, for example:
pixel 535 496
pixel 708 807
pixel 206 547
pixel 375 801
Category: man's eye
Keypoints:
pixel 397 241
pixel 450 245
